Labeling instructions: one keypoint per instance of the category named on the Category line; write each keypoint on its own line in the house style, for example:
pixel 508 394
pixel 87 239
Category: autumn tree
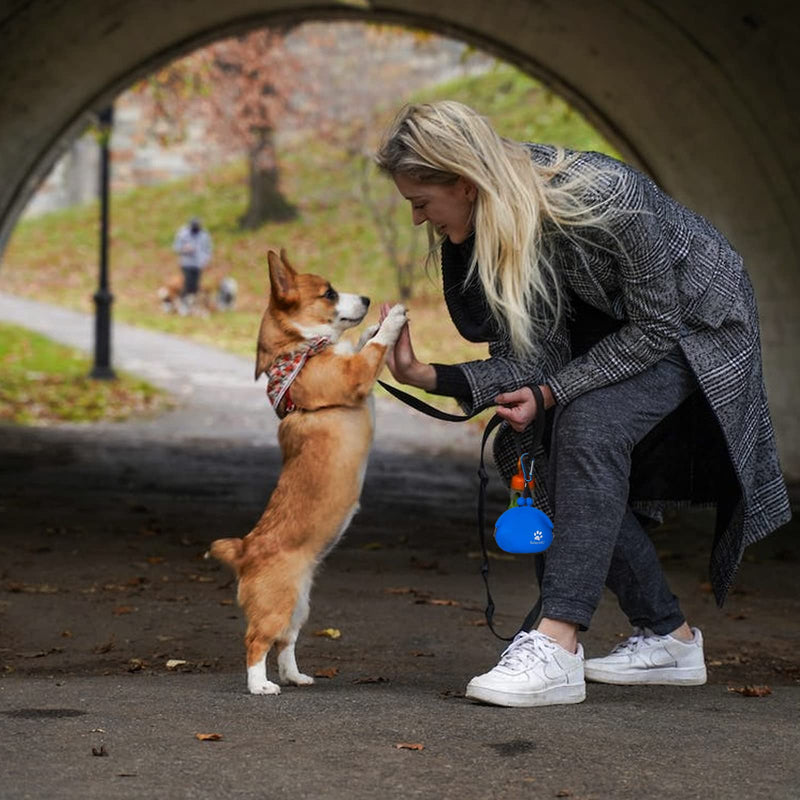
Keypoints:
pixel 241 89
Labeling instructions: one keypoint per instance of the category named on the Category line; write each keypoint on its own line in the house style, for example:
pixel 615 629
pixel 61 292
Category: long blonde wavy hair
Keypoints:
pixel 517 200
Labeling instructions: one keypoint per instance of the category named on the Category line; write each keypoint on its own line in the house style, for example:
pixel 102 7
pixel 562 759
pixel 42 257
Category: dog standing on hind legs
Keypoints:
pixel 322 390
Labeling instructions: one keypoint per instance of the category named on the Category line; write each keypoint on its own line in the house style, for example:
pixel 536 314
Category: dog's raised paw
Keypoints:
pixel 268 687
pixel 392 325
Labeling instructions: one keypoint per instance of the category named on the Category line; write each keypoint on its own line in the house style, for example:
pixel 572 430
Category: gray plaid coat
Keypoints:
pixel 677 281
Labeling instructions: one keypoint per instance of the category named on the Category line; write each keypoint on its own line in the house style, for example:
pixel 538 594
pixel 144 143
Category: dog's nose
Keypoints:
pixel 365 300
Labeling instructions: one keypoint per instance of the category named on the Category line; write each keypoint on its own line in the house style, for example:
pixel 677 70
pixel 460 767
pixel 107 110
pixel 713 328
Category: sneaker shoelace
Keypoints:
pixel 526 649
pixel 633 642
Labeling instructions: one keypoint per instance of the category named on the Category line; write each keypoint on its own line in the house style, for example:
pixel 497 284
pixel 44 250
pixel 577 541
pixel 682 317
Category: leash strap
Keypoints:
pixel 483 475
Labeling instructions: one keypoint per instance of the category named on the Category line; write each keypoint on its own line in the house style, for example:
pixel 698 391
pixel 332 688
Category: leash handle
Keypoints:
pixel 538 435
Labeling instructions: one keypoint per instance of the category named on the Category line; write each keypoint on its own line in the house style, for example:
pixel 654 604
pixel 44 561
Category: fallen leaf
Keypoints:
pixel 155 559
pixel 478 623
pixel 400 590
pixel 31 588
pixel 174 663
pixel 226 602
pixel 441 602
pixel 372 546
pixel 419 564
pixel 330 633
pixel 563 793
pixel 100 751
pixel 751 691
pixel 208 737
pixel 135 664
pixel 408 746
pixel 372 679
pixel 120 610
pixel 422 654
pixel 328 672
pixel 66 634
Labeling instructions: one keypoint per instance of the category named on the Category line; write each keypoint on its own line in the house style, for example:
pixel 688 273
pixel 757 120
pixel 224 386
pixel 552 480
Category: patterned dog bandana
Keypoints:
pixel 285 368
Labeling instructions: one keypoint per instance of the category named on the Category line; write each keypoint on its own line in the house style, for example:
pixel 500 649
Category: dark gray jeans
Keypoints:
pixel 597 539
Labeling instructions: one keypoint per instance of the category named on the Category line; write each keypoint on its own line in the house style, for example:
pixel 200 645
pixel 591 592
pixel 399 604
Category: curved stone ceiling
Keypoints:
pixel 705 96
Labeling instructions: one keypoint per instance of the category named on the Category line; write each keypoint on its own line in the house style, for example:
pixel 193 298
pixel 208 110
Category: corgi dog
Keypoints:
pixel 321 387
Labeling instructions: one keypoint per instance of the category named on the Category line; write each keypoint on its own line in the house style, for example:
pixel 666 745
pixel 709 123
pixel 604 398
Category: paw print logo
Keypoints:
pixel 538 536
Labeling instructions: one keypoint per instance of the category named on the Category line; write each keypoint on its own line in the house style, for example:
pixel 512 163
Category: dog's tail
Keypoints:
pixel 229 551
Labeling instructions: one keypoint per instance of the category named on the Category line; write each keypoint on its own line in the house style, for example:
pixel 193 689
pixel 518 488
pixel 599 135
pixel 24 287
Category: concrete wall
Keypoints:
pixel 703 95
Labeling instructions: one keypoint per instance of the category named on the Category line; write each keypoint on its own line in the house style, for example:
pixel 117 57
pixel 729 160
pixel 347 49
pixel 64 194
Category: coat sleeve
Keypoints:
pixel 648 292
pixel 504 372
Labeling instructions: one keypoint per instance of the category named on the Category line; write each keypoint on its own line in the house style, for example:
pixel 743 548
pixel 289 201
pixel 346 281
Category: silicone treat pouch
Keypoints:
pixel 523 529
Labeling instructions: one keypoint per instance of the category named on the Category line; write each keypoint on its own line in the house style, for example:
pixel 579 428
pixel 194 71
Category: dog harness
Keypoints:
pixel 285 368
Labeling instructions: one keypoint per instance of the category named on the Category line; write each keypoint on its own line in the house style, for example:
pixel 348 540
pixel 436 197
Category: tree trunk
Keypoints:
pixel 265 201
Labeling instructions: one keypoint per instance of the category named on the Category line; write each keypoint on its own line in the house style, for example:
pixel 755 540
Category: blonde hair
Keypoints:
pixel 517 201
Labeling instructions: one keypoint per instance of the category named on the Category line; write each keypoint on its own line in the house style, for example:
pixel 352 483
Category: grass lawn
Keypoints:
pixel 54 258
pixel 44 383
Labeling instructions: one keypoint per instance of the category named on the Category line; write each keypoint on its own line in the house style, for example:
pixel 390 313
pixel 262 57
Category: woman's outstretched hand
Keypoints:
pixel 402 361
pixel 518 408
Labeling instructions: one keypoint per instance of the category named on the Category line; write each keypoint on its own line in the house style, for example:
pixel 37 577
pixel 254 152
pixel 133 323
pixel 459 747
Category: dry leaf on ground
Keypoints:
pixel 208 737
pixel 409 746
pixel 751 691
pixel 174 663
pixel 372 679
pixel 330 633
pixel 328 672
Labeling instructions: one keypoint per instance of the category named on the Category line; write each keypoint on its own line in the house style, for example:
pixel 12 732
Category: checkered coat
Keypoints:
pixel 669 277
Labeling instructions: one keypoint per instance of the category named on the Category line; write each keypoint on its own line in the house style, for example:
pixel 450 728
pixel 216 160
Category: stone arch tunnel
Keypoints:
pixel 702 96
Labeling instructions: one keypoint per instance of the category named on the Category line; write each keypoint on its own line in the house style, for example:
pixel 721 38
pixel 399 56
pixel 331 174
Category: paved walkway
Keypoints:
pixel 218 398
pixel 102 581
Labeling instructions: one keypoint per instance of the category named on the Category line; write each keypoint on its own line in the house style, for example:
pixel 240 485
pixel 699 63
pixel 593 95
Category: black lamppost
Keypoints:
pixel 103 297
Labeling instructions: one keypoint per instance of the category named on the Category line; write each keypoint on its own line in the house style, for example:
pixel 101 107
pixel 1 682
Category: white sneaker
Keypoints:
pixel 647 657
pixel 533 671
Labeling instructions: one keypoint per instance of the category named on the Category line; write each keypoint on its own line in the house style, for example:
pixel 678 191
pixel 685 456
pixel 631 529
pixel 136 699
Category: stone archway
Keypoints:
pixel 704 98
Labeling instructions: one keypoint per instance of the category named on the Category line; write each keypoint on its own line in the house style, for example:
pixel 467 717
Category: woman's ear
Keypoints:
pixel 470 190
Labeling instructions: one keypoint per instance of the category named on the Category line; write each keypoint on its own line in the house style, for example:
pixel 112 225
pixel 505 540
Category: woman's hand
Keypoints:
pixel 519 408
pixel 402 361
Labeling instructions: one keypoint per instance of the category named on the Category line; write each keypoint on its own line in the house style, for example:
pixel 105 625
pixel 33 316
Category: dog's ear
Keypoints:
pixel 282 281
pixel 286 263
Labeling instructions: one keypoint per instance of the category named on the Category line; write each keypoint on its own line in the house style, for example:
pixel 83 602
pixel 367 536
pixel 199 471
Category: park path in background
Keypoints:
pixel 217 398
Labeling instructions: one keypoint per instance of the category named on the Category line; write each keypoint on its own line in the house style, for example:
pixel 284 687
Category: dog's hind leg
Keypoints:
pixel 258 646
pixel 288 671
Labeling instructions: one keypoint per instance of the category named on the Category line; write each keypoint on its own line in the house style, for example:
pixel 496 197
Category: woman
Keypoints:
pixel 637 321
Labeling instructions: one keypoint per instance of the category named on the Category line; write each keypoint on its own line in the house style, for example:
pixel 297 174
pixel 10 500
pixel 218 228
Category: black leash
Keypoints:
pixel 483 475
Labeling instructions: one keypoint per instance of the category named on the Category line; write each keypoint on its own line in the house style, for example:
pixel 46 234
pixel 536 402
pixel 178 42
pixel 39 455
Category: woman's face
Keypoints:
pixel 447 206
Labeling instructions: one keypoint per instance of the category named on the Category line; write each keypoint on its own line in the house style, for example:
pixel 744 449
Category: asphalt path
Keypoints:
pixel 102 582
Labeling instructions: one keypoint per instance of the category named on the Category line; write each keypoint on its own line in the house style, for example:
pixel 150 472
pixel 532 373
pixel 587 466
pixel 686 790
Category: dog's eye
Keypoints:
pixel 331 294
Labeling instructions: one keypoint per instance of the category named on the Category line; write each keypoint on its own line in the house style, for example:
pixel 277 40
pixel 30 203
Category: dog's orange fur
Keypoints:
pixel 325 444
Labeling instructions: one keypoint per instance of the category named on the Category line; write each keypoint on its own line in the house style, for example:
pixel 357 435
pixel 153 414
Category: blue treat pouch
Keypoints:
pixel 523 529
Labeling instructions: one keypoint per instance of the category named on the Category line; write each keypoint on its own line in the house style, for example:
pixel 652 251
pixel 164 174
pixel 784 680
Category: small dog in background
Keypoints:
pixel 321 388
pixel 221 298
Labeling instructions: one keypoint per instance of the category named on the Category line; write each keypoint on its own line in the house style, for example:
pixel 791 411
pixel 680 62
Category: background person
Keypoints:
pixel 637 320
pixel 193 246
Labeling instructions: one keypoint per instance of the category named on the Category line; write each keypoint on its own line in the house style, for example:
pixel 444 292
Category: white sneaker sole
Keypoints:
pixel 555 696
pixel 663 676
